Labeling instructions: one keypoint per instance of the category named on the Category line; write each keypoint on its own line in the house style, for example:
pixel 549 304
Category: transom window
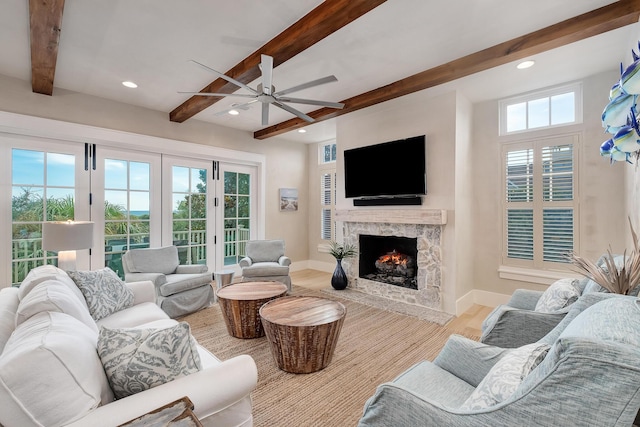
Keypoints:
pixel 554 107
pixel 540 202
pixel 327 153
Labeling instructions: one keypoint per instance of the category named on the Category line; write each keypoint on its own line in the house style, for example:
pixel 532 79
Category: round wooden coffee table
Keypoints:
pixel 302 331
pixel 240 304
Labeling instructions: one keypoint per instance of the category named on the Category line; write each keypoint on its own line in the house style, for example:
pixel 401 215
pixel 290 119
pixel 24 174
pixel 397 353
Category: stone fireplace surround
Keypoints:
pixel 425 225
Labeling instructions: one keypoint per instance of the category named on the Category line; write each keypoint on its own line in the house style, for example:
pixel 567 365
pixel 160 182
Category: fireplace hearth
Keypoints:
pixel 389 259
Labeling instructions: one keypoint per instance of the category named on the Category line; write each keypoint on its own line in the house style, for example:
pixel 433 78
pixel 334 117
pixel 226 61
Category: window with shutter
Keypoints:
pixel 327 203
pixel 540 203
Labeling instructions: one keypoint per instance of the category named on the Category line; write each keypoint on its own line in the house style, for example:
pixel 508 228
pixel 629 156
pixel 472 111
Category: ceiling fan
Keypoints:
pixel 266 94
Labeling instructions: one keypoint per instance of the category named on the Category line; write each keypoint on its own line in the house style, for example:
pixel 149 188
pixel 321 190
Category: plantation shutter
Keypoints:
pixel 519 188
pixel 557 187
pixel 540 202
pixel 327 201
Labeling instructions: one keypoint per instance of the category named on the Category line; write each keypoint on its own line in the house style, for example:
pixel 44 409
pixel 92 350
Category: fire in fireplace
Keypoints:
pixel 389 259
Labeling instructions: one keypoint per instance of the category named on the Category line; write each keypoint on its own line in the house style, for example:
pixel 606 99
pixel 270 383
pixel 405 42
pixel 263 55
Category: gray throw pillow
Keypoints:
pixel 561 294
pixel 506 375
pixel 103 290
pixel 139 359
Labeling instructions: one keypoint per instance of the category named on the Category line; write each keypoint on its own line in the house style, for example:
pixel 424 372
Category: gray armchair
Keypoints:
pixel 265 261
pixel 589 377
pixel 180 289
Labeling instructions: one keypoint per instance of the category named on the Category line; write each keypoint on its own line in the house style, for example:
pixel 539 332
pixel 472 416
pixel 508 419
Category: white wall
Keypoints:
pixel 602 220
pixel 285 161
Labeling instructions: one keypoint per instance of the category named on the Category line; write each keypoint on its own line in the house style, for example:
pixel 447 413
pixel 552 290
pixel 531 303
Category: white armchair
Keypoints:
pixel 265 261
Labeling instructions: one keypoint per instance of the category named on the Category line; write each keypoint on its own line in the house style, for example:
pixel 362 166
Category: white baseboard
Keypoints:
pixel 327 267
pixel 477 296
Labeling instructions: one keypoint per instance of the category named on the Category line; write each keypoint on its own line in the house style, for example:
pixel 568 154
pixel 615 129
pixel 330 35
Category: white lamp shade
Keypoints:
pixel 67 235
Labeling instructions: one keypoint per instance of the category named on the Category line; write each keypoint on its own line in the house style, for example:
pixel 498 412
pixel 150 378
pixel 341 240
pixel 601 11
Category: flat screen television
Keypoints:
pixel 391 169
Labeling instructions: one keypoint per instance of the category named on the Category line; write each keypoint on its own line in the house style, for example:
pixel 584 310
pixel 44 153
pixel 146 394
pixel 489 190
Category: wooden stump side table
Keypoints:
pixel 240 304
pixel 302 331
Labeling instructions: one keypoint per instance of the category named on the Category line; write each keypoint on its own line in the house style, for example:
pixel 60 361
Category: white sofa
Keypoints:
pixel 52 375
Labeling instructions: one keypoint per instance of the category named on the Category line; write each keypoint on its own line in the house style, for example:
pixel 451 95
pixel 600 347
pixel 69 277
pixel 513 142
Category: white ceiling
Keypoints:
pixel 103 43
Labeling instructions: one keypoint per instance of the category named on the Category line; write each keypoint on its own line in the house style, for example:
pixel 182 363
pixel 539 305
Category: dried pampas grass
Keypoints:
pixel 616 280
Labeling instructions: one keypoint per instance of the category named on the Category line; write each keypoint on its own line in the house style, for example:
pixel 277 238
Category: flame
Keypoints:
pixel 394 258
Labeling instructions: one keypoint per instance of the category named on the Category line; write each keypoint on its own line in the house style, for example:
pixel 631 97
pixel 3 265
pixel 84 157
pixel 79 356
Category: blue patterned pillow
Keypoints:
pixel 139 359
pixel 506 375
pixel 103 290
pixel 561 294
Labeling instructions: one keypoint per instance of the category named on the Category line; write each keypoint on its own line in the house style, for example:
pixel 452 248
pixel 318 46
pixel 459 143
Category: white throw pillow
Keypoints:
pixel 103 290
pixel 52 295
pixel 50 372
pixel 139 359
pixel 505 376
pixel 559 295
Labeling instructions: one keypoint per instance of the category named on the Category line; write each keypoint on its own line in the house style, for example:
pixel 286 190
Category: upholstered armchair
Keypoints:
pixel 585 372
pixel 265 261
pixel 181 289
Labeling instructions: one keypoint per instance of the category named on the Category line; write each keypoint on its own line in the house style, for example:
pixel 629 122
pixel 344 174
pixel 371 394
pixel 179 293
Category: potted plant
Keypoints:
pixel 339 279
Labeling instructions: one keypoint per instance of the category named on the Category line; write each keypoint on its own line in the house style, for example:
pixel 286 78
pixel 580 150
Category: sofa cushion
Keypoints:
pixel 8 306
pixel 265 269
pixel 133 316
pixel 561 294
pixel 176 283
pixel 505 376
pixel 52 295
pixel 47 272
pixel 103 290
pixel 140 359
pixel 50 372
pixel 264 250
pixel 153 260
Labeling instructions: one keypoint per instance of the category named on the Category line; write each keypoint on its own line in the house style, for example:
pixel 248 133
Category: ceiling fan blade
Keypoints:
pixel 265 114
pixel 324 80
pixel 338 105
pixel 267 73
pixel 293 111
pixel 239 95
pixel 225 77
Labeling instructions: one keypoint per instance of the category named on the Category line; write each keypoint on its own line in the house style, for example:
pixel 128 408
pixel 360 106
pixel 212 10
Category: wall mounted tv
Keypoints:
pixel 393 169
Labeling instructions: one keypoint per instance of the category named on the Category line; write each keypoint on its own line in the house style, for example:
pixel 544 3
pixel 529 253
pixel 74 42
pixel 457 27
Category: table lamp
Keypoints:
pixel 65 237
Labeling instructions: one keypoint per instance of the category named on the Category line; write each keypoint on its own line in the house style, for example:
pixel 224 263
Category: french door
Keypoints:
pixel 48 182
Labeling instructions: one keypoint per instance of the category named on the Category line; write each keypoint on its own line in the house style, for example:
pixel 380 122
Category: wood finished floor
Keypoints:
pixel 468 322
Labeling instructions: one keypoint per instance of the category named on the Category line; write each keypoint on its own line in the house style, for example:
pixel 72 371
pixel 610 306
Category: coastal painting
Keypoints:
pixel 288 199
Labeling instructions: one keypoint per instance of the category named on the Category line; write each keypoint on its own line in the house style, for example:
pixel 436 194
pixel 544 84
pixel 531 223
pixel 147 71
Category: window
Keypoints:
pixel 327 153
pixel 327 203
pixel 540 202
pixel 555 107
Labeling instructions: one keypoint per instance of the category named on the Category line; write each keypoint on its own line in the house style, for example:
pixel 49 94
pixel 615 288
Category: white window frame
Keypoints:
pixel 510 266
pixel 321 148
pixel 576 88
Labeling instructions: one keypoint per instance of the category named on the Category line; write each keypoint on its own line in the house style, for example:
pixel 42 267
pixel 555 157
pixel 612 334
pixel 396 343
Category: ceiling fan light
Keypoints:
pixel 525 64
pixel 234 112
pixel 129 84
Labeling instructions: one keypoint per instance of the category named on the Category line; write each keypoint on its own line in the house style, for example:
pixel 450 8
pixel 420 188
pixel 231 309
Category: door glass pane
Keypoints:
pixel 237 202
pixel 190 214
pixel 127 201
pixel 43 188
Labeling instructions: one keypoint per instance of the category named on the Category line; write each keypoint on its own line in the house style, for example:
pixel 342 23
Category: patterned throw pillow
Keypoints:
pixel 505 376
pixel 559 295
pixel 139 359
pixel 104 291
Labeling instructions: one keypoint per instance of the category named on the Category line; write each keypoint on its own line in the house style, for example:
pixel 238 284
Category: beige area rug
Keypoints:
pixel 374 346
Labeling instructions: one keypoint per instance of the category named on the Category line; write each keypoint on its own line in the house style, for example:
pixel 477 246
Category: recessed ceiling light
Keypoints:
pixel 302 131
pixel 234 112
pixel 130 84
pixel 525 64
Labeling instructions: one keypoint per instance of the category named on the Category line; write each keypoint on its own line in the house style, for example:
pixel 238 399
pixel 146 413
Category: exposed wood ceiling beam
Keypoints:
pixel 45 20
pixel 607 18
pixel 322 21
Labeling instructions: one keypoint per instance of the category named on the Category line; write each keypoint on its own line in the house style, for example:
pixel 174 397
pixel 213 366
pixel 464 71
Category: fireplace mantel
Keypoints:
pixel 395 216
